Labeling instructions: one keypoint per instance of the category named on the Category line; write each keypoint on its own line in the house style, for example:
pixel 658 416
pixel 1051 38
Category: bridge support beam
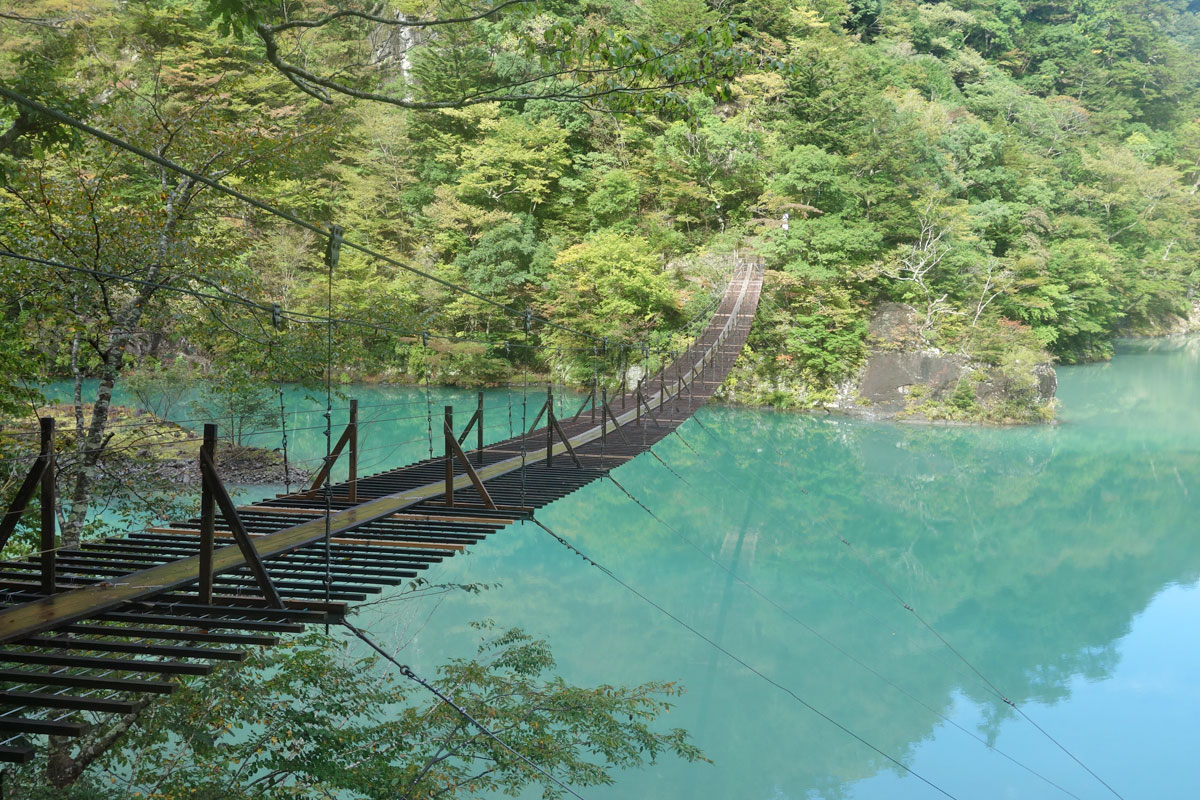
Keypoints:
pixel 453 449
pixel 208 473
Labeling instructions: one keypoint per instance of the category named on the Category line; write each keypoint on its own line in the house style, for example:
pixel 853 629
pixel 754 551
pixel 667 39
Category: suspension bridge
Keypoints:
pixel 106 626
pixel 102 626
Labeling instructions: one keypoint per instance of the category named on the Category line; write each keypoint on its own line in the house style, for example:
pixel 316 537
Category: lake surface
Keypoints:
pixel 1061 562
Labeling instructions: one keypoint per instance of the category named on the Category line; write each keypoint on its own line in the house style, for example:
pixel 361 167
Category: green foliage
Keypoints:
pixel 160 387
pixel 313 716
pixel 236 401
pixel 1058 150
pixel 614 201
pixel 611 285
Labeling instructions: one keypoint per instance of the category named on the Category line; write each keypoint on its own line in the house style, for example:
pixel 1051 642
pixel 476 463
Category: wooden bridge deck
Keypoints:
pixel 126 615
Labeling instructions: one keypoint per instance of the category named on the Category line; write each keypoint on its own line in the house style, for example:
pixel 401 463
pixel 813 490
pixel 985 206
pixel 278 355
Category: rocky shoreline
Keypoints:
pixel 148 450
pixel 904 378
pixel 244 466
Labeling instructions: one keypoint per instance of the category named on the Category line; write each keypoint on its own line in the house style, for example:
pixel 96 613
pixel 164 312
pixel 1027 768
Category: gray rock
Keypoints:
pixel 887 380
pixel 903 376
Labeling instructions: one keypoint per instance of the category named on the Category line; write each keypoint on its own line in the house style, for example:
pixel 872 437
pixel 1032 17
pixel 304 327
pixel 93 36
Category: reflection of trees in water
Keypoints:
pixel 1188 345
pixel 1029 549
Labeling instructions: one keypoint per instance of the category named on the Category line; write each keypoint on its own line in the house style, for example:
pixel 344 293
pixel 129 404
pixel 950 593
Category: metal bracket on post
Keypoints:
pixel 208 473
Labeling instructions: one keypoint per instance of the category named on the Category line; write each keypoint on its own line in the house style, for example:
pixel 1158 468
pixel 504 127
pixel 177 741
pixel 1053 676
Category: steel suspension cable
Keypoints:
pixel 407 672
pixel 734 657
pixel 945 642
pixel 763 596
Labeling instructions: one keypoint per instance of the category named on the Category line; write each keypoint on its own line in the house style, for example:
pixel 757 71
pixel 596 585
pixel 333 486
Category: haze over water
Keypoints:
pixel 1061 561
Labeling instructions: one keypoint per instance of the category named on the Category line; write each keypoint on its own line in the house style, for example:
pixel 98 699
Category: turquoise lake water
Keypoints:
pixel 1062 562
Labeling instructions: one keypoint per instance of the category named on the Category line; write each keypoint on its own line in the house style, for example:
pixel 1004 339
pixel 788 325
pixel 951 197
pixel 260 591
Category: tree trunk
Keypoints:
pixel 123 329
pixel 64 768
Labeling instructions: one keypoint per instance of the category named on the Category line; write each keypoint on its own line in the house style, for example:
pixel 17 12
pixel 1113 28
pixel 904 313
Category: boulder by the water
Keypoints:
pixel 904 377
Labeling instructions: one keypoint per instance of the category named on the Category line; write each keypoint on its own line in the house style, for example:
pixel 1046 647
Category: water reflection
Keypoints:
pixel 1041 553
pixel 1061 561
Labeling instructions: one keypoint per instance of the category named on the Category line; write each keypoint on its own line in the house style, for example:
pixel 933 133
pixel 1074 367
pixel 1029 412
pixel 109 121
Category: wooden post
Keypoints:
pixel 208 473
pixel 603 419
pixel 479 428
pixel 208 520
pixel 549 426
pixel 447 427
pixel 352 480
pixel 624 374
pixel 49 551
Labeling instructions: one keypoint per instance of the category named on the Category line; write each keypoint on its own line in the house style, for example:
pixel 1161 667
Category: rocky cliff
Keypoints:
pixel 904 377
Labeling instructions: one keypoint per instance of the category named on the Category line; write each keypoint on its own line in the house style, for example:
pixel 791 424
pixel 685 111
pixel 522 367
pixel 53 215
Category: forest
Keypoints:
pixel 1025 176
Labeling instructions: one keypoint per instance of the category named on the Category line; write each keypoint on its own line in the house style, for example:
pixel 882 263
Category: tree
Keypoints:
pixel 921 262
pixel 236 401
pixel 312 717
pixel 160 387
pixel 542 55
pixel 126 230
pixel 611 285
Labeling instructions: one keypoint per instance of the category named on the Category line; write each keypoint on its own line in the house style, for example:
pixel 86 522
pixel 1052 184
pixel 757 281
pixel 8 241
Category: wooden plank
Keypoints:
pixel 48 727
pixel 413 517
pixel 103 662
pixel 19 676
pixel 15 754
pixel 173 634
pixel 68 701
pixel 204 623
pixel 135 648
pixel 50 612
pixel 334 540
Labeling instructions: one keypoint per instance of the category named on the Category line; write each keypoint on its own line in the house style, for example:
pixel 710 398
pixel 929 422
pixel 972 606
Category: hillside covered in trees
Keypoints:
pixel 1024 175
pixel 1015 183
